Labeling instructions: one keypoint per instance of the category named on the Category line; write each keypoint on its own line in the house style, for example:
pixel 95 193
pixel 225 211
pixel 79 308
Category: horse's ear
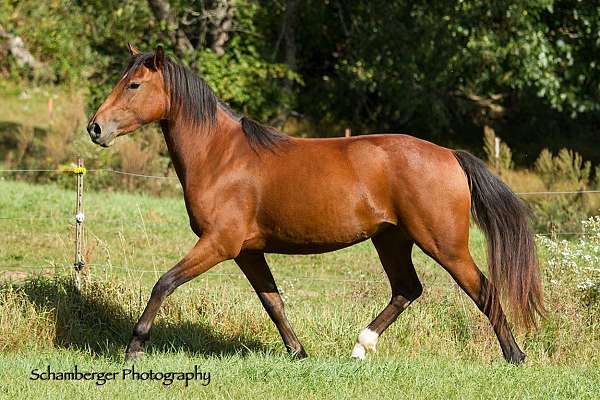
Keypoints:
pixel 159 57
pixel 134 51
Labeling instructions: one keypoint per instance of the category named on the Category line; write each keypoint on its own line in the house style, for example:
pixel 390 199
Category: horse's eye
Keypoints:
pixel 133 85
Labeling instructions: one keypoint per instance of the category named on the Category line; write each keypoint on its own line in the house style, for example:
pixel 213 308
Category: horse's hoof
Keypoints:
pixel 516 358
pixel 358 352
pixel 134 355
pixel 299 355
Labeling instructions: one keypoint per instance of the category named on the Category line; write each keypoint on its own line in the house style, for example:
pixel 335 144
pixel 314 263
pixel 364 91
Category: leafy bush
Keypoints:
pixel 53 34
pixel 245 80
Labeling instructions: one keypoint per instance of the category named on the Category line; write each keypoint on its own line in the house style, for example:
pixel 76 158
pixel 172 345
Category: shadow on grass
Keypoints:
pixel 100 320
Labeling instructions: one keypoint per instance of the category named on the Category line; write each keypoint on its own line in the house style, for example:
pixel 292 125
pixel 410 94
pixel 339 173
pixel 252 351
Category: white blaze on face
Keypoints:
pixel 367 341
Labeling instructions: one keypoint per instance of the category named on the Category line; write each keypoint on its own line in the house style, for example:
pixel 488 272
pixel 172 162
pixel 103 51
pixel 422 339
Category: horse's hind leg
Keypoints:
pixel 450 248
pixel 394 251
pixel 465 272
pixel 256 269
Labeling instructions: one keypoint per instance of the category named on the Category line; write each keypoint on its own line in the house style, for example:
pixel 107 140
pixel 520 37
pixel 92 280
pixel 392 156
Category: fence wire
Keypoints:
pixel 138 175
pixel 210 273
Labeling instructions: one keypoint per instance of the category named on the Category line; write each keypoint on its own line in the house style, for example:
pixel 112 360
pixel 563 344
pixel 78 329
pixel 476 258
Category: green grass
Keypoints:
pixel 267 375
pixel 441 347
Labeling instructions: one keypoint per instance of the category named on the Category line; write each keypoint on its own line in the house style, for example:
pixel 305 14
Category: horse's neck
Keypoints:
pixel 197 152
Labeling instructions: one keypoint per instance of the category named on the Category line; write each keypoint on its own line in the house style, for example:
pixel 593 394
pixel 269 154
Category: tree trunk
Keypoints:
pixel 19 51
pixel 220 24
pixel 289 35
pixel 162 12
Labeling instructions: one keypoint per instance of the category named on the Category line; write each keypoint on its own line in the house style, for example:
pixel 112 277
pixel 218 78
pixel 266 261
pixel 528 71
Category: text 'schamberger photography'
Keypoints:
pixel 315 199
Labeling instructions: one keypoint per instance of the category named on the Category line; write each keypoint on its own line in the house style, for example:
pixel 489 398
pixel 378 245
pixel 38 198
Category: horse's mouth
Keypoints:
pixel 104 141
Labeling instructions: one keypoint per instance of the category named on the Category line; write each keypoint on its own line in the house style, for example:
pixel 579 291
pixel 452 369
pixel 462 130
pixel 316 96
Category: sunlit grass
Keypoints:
pixel 440 347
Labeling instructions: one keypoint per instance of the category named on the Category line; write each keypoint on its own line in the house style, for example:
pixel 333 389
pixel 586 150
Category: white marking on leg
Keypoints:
pixel 358 351
pixel 367 341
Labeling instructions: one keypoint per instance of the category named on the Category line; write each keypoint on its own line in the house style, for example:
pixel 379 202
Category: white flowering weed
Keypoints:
pixel 579 258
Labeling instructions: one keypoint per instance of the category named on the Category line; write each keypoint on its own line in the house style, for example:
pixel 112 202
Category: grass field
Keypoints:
pixel 441 347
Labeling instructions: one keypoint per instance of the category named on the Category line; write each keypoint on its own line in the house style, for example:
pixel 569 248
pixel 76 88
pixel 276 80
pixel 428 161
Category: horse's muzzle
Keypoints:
pixel 98 135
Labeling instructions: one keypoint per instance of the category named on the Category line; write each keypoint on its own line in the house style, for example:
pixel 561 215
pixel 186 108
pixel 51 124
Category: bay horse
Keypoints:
pixel 251 190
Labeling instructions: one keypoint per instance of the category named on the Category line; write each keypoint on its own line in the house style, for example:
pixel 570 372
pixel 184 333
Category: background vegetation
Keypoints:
pixel 459 73
pixel 527 68
pixel 526 71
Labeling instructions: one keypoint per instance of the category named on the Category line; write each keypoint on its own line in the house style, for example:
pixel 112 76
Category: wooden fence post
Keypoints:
pixel 79 218
pixel 497 155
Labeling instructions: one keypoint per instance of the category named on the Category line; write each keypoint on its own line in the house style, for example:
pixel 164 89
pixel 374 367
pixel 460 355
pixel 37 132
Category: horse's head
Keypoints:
pixel 140 97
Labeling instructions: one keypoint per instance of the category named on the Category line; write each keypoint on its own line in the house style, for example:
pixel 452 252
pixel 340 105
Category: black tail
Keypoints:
pixel 512 261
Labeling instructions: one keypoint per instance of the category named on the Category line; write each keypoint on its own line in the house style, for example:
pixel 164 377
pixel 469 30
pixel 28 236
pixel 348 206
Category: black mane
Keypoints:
pixel 194 100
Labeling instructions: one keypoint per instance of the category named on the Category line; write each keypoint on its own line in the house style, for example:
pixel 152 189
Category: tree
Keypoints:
pixel 170 26
pixel 441 70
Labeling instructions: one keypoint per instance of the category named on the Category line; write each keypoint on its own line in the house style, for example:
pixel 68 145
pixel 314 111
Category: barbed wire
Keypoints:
pixel 71 170
pixel 34 170
pixel 32 267
pixel 155 271
pixel 124 222
pixel 564 233
pixel 134 174
pixel 33 218
pixel 140 175
pixel 560 192
pixel 241 275
pixel 282 281
pixel 308 278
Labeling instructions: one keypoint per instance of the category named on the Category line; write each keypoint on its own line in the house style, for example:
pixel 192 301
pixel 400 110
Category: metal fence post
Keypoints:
pixel 79 218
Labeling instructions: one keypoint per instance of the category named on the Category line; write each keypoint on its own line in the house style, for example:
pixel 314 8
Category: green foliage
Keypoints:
pixel 441 70
pixel 243 76
pixel 548 47
pixel 245 80
pixel 84 43
pixel 411 69
pixel 53 34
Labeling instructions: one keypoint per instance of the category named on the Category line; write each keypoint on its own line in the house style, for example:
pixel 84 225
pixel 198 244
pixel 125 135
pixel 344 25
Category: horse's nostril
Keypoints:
pixel 94 130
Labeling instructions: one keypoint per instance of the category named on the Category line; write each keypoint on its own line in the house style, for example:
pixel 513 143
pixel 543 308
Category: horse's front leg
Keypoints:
pixel 206 253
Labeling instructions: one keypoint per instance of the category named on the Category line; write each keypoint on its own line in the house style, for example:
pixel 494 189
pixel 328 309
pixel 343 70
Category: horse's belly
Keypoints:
pixel 286 247
pixel 317 206
pixel 320 230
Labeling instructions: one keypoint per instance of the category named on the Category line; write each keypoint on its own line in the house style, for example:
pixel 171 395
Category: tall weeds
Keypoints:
pixel 564 172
